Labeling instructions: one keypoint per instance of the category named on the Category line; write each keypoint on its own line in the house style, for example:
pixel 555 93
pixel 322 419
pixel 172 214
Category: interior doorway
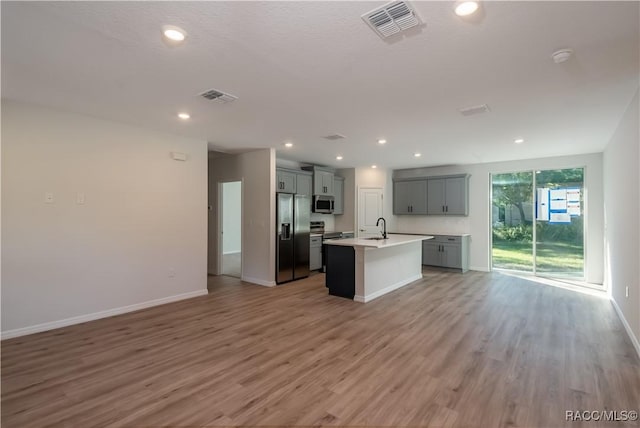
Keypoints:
pixel 230 240
pixel 369 210
pixel 537 222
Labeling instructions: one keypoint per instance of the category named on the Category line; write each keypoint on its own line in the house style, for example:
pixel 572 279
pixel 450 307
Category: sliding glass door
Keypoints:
pixel 560 228
pixel 538 222
pixel 512 221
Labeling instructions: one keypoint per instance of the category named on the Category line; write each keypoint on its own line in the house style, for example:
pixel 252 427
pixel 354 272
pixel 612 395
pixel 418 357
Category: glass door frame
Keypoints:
pixel 534 271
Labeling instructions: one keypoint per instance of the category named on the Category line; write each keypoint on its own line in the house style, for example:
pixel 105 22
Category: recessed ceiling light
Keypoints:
pixel 339 157
pixel 519 140
pixel 374 166
pixel 173 35
pixel 465 7
pixel 288 144
pixel 417 155
pixel 184 116
pixel 382 141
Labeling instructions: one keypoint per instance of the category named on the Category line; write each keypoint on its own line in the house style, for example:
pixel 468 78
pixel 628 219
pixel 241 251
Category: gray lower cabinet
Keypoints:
pixel 315 253
pixel 338 195
pixel 449 251
pixel 448 195
pixel 410 197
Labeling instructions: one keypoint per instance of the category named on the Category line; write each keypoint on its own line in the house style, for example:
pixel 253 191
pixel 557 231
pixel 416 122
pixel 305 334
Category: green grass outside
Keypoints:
pixel 561 258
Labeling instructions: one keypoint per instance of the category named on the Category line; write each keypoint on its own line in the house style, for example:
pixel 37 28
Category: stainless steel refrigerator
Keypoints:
pixel 293 214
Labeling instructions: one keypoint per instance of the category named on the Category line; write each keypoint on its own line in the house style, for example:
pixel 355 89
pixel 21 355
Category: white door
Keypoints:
pixel 369 211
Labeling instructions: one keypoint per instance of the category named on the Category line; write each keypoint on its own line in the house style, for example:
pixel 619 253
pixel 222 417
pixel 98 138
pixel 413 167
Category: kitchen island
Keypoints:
pixel 363 269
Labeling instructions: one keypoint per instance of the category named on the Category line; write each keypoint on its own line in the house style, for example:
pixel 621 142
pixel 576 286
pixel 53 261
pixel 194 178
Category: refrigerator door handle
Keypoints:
pixel 285 231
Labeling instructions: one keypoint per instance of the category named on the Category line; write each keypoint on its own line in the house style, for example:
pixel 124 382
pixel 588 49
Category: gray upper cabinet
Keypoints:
pixel 286 181
pixel 323 183
pixel 303 184
pixel 448 195
pixel 293 181
pixel 338 194
pixel 322 179
pixel 410 197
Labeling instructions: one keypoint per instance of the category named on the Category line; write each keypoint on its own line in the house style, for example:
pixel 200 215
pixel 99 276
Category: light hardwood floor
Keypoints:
pixel 473 350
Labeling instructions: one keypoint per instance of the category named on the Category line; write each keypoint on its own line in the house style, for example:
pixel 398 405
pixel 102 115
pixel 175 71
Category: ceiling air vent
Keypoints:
pixel 392 18
pixel 221 97
pixel 470 111
pixel 334 137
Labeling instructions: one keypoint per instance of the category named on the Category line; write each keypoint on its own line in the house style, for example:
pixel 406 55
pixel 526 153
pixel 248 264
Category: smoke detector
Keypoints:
pixel 469 111
pixel 561 55
pixel 218 96
pixel 392 18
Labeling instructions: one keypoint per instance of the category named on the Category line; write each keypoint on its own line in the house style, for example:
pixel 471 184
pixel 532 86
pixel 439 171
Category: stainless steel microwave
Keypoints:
pixel 323 204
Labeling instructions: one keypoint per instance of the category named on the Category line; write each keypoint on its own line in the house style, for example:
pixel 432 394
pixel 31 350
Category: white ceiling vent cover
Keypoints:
pixel 470 111
pixel 218 96
pixel 334 137
pixel 392 18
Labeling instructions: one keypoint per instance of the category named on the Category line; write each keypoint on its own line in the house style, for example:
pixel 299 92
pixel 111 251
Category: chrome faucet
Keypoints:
pixel 384 227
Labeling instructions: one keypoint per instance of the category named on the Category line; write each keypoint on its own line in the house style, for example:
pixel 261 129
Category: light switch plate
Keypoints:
pixel 80 198
pixel 48 198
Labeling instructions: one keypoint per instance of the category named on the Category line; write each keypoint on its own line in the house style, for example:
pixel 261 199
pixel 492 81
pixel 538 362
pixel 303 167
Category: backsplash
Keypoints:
pixel 329 220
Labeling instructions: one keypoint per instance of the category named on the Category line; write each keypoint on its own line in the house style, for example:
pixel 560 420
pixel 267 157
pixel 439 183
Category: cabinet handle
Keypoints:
pixel 447 208
pixel 443 208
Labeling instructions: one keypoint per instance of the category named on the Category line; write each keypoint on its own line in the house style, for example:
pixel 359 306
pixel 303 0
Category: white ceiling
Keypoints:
pixel 303 70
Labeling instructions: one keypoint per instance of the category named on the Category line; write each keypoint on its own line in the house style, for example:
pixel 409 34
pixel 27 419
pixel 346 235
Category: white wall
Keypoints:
pixel 622 215
pixel 256 170
pixel 347 221
pixel 144 218
pixel 478 225
pixel 231 215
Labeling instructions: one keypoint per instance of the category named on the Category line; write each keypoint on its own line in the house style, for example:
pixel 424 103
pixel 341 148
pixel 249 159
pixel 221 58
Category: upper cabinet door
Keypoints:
pixel 436 196
pixel 401 204
pixel 286 182
pixel 322 183
pixel 303 184
pixel 456 196
pixel 418 196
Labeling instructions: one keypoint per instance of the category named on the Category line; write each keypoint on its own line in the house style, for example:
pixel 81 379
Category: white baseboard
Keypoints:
pixel 479 269
pixel 232 252
pixel 634 339
pixel 389 289
pixel 97 315
pixel 258 281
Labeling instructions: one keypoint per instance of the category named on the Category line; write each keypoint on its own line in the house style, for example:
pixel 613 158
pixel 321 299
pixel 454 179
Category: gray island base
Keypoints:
pixel 363 269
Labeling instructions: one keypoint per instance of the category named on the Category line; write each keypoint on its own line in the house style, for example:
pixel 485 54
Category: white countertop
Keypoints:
pixel 391 241
pixel 430 233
